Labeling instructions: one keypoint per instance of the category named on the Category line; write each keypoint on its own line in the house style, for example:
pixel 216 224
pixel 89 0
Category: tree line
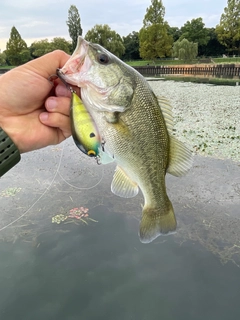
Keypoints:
pixel 156 39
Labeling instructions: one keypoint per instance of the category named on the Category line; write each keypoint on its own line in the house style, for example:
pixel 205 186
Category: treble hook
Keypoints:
pixel 56 76
pixel 59 74
pixel 52 77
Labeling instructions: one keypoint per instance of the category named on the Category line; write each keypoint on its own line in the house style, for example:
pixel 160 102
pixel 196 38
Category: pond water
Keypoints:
pixel 98 269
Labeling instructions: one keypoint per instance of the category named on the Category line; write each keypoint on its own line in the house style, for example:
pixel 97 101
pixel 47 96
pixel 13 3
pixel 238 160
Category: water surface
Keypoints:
pixel 101 270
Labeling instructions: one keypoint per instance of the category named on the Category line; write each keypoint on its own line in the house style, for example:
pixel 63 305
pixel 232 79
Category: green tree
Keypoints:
pixel 131 44
pixel 214 47
pixel 60 44
pixel 185 50
pixel 154 38
pixel 25 56
pixel 39 48
pixel 154 14
pixel 3 59
pixel 195 31
pixel 175 33
pixel 107 38
pixel 74 25
pixel 16 51
pixel 228 30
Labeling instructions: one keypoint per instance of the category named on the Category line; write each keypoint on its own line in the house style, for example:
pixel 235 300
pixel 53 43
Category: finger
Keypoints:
pixel 58 104
pixel 62 90
pixel 57 120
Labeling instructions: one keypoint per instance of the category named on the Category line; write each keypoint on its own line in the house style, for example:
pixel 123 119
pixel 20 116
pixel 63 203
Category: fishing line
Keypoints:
pixel 44 192
pixel 81 188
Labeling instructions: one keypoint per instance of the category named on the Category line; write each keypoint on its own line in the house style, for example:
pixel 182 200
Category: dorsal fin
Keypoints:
pixel 180 157
pixel 167 112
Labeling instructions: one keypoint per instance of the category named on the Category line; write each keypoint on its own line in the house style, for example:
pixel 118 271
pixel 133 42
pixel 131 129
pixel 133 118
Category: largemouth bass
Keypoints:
pixel 136 127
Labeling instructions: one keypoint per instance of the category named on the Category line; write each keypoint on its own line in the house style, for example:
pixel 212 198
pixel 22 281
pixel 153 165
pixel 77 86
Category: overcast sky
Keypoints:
pixel 40 19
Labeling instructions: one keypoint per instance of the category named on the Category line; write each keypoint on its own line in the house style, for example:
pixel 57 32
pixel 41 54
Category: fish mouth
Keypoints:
pixel 75 65
pixel 78 71
pixel 60 75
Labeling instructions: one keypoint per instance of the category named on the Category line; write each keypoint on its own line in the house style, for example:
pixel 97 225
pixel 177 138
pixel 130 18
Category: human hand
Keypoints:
pixel 34 112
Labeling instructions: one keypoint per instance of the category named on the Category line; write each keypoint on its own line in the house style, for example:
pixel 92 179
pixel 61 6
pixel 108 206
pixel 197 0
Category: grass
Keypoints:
pixel 7 67
pixel 227 60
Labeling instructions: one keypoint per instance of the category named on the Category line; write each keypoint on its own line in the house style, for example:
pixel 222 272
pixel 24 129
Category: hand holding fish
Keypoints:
pixel 34 111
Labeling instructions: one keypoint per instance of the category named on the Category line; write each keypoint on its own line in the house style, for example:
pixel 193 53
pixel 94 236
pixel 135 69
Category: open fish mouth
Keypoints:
pixel 77 66
pixel 73 65
pixel 81 70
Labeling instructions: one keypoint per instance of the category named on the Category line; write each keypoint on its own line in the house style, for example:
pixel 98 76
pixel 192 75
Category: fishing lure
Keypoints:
pixel 84 130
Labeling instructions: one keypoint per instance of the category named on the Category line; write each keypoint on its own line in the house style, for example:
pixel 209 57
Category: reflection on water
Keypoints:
pixel 100 270
pixel 103 272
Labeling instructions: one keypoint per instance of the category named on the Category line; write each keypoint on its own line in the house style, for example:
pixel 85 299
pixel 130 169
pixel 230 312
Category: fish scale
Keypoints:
pixel 135 126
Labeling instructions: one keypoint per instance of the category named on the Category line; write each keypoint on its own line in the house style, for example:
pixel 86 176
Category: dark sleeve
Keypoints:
pixel 9 153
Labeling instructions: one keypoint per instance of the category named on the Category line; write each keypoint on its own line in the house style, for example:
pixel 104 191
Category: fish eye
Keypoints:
pixel 102 58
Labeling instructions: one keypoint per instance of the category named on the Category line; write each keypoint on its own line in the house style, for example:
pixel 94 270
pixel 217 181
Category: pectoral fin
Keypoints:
pixel 122 185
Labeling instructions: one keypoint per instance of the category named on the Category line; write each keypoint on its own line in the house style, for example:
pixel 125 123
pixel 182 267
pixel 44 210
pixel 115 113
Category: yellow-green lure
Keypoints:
pixel 84 130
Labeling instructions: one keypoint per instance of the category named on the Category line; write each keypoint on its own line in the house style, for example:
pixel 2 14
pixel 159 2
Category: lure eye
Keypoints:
pixel 91 153
pixel 102 58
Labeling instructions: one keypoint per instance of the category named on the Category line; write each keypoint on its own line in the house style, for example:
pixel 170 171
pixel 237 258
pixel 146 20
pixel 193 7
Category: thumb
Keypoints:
pixel 47 65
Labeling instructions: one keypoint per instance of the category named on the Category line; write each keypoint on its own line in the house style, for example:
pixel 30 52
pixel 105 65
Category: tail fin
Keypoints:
pixel 154 223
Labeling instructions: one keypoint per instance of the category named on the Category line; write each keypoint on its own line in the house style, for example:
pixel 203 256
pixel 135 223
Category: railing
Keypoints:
pixel 218 70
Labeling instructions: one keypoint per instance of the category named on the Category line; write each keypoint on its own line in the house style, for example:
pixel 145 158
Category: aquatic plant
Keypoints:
pixel 10 192
pixel 59 218
pixel 80 214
